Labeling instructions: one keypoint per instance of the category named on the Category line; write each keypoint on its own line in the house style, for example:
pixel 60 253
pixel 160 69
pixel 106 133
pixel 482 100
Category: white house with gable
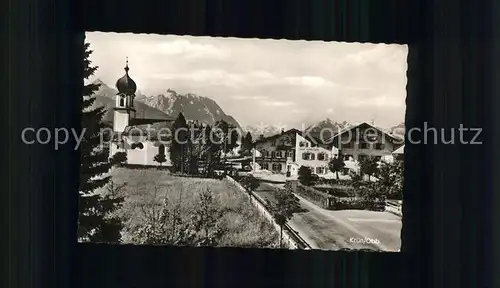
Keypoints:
pixel 314 157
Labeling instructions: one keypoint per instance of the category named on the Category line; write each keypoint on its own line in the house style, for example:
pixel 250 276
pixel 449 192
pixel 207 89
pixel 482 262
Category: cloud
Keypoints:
pixel 385 56
pixel 243 97
pixel 278 103
pixel 313 81
pixel 184 48
pixel 224 78
pixel 299 111
pixel 376 102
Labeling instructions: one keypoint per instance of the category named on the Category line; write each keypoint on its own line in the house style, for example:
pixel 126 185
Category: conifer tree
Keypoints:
pixel 179 144
pixel 95 223
pixel 248 141
pixel 337 164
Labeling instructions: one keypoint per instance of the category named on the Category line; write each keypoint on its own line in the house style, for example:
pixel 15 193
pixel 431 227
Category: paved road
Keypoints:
pixel 334 230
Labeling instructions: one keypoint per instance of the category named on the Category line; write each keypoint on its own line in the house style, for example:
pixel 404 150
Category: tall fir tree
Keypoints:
pixel 248 141
pixel 179 144
pixel 211 153
pixel 246 144
pixel 95 223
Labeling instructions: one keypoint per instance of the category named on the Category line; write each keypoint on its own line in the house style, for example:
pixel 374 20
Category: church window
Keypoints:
pixel 137 145
pixel 161 149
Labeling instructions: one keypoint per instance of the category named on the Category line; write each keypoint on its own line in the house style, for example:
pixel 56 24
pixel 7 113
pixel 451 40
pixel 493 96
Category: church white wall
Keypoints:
pixel 142 156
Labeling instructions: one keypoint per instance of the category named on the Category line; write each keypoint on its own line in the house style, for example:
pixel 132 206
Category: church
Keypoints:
pixel 136 136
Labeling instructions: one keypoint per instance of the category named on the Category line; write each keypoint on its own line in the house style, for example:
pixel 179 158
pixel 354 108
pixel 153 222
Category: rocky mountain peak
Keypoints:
pixel 98 81
pixel 193 107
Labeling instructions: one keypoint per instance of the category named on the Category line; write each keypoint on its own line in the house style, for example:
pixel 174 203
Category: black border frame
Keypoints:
pixel 447 233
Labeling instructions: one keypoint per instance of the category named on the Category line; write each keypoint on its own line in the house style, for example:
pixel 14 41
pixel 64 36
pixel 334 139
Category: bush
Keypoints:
pixel 305 176
pixel 391 179
pixel 249 182
pixel 372 196
pixel 119 158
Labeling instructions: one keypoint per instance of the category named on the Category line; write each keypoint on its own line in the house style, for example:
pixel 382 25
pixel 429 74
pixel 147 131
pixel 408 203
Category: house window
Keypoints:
pixel 161 149
pixel 264 166
pixel 276 167
pixel 122 101
pixel 278 154
pixel 379 146
pixel 303 144
pixel 313 156
pixel 290 154
pixel 264 152
pixel 306 156
pixel 273 154
pixel 363 145
pixel 322 157
pixel 320 170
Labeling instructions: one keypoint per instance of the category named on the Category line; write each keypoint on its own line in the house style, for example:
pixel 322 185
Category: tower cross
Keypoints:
pixel 126 64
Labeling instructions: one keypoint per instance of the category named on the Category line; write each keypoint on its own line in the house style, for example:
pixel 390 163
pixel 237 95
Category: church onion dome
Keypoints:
pixel 126 85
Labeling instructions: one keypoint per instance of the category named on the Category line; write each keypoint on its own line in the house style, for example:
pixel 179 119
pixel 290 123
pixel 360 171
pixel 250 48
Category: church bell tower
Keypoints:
pixel 124 106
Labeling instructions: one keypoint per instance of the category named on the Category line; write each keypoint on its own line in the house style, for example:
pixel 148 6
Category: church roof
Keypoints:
pixel 125 84
pixel 144 121
pixel 141 131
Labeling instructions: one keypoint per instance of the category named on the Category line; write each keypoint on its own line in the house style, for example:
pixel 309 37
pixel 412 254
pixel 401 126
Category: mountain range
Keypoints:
pixel 327 128
pixel 203 109
pixel 165 106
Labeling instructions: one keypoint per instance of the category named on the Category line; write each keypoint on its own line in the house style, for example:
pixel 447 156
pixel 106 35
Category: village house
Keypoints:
pixel 286 152
pixel 365 140
pixel 132 135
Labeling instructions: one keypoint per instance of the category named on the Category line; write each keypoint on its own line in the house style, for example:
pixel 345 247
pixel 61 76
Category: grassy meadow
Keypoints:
pixel 238 222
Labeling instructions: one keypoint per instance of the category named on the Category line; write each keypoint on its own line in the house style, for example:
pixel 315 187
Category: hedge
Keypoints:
pixel 337 190
pixel 330 202
pixel 358 204
pixel 317 197
pixel 343 182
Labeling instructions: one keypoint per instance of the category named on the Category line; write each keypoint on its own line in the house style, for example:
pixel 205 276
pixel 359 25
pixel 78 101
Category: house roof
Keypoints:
pixel 264 139
pixel 308 137
pixel 392 137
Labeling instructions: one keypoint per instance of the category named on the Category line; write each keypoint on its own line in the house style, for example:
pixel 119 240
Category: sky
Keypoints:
pixel 264 80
